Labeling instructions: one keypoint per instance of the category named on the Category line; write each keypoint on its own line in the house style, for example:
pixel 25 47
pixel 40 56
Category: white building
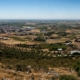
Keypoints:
pixel 75 51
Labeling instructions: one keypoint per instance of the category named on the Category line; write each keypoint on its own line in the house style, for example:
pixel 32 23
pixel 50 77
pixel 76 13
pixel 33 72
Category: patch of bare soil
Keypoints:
pixel 7 74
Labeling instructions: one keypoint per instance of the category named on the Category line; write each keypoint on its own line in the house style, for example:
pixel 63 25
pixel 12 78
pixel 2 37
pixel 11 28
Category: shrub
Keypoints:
pixel 67 77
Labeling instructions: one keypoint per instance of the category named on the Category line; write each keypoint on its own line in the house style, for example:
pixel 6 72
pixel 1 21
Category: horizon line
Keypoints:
pixel 39 19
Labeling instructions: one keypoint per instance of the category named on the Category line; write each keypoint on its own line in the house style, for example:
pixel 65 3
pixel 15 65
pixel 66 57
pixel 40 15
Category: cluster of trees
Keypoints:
pixel 44 46
pixel 19 52
pixel 62 33
pixel 53 46
pixel 40 39
pixel 13 55
pixel 49 33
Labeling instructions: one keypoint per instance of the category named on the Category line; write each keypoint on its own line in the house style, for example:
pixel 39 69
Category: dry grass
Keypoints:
pixel 11 41
pixel 56 40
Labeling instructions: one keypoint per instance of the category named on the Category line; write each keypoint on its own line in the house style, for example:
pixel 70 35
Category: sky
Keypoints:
pixel 40 9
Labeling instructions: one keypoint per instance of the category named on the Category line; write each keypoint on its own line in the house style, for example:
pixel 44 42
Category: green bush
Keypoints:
pixel 67 77
pixel 77 68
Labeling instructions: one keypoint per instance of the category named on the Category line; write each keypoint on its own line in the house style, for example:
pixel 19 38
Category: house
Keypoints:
pixel 77 40
pixel 3 38
pixel 74 51
pixel 68 42
pixel 60 49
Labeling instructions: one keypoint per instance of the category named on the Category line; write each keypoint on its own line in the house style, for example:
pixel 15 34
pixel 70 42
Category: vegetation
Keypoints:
pixel 49 33
pixel 44 55
pixel 77 67
pixel 17 38
pixel 53 46
pixel 67 77
pixel 40 39
pixel 16 55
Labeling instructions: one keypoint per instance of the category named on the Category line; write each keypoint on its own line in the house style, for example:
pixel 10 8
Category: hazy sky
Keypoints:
pixel 39 9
